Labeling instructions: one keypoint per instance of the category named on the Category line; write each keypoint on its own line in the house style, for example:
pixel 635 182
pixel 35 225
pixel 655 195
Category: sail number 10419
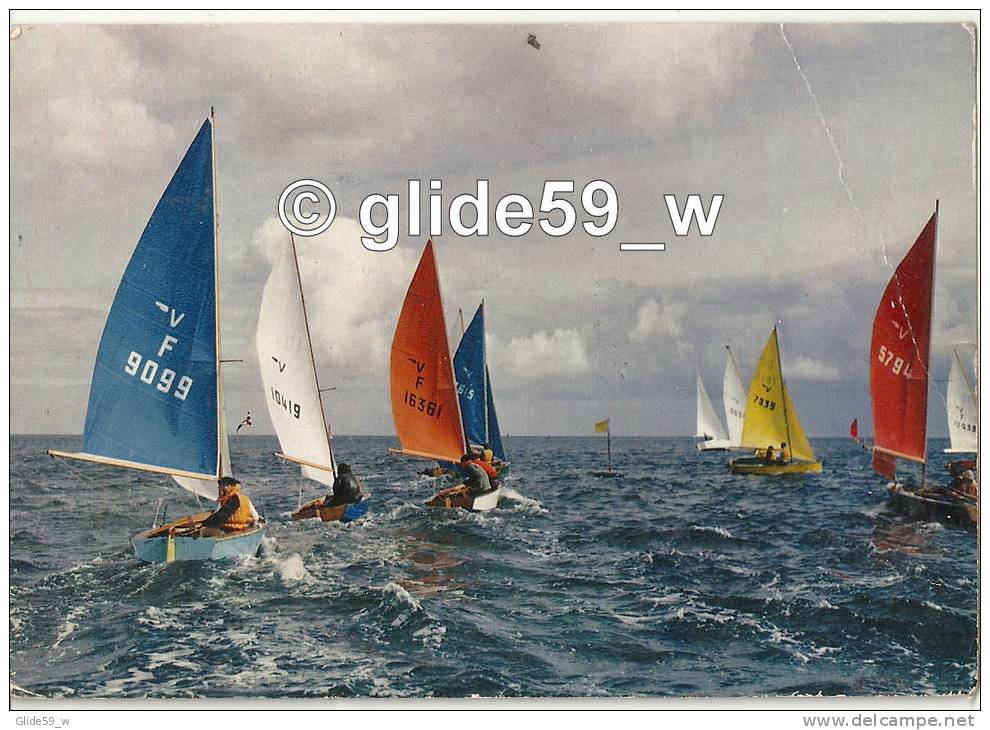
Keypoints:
pixel 896 364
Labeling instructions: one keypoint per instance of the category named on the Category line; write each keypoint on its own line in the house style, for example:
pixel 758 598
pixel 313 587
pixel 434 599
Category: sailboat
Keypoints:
pixel 962 410
pixel 710 428
pixel 425 408
pixel 156 397
pixel 899 359
pixel 292 388
pixel 770 419
pixel 474 389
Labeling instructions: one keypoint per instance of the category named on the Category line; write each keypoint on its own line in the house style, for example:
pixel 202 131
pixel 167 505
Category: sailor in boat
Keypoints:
pixel 784 457
pixel 234 514
pixel 477 480
pixel 346 488
pixel 768 454
pixel 964 485
pixel 486 465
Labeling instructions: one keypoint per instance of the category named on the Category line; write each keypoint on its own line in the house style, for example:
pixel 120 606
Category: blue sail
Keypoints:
pixel 469 372
pixel 494 435
pixel 474 389
pixel 153 399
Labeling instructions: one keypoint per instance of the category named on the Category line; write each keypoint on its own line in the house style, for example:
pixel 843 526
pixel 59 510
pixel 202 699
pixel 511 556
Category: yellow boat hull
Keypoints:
pixel 753 466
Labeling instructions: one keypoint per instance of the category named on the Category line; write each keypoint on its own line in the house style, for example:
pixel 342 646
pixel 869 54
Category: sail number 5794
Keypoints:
pixel 148 373
pixel 896 364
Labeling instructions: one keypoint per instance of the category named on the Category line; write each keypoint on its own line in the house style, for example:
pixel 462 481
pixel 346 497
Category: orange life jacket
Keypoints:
pixel 243 515
pixel 488 468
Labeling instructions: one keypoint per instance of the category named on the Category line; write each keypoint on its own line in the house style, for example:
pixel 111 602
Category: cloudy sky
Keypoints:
pixel 830 143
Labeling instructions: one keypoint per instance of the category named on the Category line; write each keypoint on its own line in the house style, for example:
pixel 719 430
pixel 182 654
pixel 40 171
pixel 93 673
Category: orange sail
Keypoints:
pixel 424 396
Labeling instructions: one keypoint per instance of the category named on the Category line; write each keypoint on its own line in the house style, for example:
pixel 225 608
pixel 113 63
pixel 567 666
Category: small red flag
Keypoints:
pixel 885 465
pixel 854 430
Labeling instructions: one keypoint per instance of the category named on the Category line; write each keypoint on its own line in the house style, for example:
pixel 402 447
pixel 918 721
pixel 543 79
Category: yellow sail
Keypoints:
pixel 770 417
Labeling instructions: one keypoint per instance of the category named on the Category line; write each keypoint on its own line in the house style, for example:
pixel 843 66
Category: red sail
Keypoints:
pixel 424 396
pixel 899 352
pixel 854 430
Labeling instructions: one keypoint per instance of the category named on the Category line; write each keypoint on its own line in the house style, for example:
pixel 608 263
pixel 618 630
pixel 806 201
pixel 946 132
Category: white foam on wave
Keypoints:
pixel 404 509
pixel 403 595
pixel 68 626
pixel 524 504
pixel 293 569
pixel 716 530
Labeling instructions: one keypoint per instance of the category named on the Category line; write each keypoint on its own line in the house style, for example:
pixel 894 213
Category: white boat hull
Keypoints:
pixel 716 445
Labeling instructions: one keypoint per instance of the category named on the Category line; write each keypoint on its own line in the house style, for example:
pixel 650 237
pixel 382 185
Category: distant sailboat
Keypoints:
pixel 292 388
pixel 156 398
pixel 899 359
pixel 962 410
pixel 771 420
pixel 425 407
pixel 709 427
pixel 733 399
pixel 474 389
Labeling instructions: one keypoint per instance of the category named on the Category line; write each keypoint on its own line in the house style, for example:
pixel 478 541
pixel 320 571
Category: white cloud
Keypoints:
pixel 656 321
pixel 806 368
pixel 543 354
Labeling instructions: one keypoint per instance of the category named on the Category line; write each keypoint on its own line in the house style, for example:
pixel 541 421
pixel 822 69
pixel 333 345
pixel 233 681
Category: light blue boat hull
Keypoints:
pixel 242 544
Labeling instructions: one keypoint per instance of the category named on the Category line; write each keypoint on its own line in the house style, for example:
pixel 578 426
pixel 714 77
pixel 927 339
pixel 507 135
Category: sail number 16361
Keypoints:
pixel 896 364
pixel 428 407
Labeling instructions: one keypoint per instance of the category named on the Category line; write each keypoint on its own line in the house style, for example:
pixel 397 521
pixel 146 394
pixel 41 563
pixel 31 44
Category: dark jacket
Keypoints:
pixel 346 490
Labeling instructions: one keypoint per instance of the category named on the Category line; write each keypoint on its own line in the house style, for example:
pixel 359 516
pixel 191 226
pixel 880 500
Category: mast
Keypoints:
pixel 450 358
pixel 484 374
pixel 924 426
pixel 608 446
pixel 216 287
pixel 312 356
pixel 783 387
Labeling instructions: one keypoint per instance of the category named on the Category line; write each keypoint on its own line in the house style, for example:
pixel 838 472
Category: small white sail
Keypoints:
pixel 288 371
pixel 961 409
pixel 709 427
pixel 734 398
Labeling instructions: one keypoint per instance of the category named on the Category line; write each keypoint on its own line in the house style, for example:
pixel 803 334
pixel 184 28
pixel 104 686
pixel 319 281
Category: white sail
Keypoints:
pixel 961 409
pixel 288 371
pixel 709 427
pixel 733 398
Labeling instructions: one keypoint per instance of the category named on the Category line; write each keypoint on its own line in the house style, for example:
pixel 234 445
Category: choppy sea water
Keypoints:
pixel 678 580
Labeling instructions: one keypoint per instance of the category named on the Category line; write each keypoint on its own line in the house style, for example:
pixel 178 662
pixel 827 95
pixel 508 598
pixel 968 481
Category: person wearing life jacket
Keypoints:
pixel 784 457
pixel 476 481
pixel 487 455
pixel 768 455
pixel 346 488
pixel 235 512
pixel 965 484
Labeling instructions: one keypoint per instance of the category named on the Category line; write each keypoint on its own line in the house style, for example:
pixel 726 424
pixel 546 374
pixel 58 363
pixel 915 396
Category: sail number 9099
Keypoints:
pixel 149 372
pixel 896 364
pixel 428 407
